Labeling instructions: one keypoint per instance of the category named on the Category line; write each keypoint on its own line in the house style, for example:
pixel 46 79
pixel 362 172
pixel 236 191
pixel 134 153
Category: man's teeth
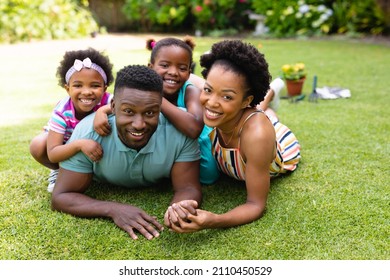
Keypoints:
pixel 171 82
pixel 136 133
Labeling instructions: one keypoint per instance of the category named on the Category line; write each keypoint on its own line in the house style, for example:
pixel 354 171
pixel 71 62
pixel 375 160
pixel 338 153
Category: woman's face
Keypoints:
pixel 223 98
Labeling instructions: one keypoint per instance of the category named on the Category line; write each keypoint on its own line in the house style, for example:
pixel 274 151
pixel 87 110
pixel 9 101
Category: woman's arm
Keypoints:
pixel 189 122
pixel 258 149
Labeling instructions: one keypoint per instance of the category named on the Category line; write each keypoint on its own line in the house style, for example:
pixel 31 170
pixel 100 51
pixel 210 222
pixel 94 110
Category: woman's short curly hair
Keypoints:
pixel 243 59
pixel 96 57
pixel 138 77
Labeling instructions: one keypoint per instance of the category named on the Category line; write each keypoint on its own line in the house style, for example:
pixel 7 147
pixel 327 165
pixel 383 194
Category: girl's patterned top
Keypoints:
pixel 63 119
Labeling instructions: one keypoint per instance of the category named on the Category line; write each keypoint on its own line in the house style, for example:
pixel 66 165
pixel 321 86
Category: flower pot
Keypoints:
pixel 294 87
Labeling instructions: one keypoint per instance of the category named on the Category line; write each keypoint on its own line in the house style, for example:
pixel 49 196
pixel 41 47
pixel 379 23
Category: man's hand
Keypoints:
pixel 132 219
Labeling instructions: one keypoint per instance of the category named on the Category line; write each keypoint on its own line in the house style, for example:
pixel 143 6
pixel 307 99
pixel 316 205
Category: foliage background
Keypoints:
pixel 60 19
pixel 44 19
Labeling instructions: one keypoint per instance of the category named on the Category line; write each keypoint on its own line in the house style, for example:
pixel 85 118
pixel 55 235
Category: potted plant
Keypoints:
pixel 294 75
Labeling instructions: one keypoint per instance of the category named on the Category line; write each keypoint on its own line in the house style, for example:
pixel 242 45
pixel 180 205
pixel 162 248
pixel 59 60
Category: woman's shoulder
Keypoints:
pixel 257 139
pixel 253 118
pixel 255 125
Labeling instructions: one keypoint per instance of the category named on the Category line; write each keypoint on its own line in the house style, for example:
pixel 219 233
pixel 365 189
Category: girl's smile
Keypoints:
pixel 86 88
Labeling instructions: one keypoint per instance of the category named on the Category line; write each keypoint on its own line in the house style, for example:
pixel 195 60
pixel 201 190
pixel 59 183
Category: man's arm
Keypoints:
pixel 185 181
pixel 186 187
pixel 68 196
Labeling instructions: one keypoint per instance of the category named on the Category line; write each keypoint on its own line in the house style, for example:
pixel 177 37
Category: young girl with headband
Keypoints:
pixel 85 75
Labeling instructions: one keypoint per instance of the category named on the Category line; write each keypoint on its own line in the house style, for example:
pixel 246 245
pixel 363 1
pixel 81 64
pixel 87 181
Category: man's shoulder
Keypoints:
pixel 167 133
pixel 165 125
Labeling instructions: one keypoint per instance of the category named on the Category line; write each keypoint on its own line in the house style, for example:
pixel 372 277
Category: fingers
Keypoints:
pixel 146 227
pixel 105 130
pixel 184 227
pixel 171 217
pixel 189 205
pixel 96 155
pixel 181 212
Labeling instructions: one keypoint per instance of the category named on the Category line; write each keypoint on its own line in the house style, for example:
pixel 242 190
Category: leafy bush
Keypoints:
pixel 44 19
pixel 358 16
pixel 156 15
pixel 203 15
pixel 220 14
pixel 313 17
pixel 291 18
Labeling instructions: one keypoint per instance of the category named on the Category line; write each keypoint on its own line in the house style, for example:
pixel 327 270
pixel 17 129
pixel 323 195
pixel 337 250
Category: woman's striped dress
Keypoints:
pixel 288 155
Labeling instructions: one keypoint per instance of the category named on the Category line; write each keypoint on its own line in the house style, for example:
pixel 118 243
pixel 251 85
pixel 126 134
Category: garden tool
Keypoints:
pixel 314 95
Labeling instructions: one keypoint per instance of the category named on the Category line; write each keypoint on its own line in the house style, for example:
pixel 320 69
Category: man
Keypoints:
pixel 142 148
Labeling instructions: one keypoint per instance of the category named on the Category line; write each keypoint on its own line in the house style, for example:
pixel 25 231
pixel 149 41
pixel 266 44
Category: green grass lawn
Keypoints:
pixel 335 206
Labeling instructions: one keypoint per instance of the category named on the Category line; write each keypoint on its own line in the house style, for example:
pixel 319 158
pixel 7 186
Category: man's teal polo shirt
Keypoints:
pixel 126 167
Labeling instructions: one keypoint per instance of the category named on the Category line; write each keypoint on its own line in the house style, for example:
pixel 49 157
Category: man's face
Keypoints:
pixel 137 113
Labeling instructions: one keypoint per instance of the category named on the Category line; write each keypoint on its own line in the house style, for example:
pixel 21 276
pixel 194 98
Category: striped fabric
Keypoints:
pixel 63 119
pixel 230 162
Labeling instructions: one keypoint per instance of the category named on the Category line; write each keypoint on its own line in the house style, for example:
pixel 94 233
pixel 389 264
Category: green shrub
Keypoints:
pixel 220 15
pixel 44 19
pixel 288 18
pixel 357 16
pixel 156 15
pixel 203 15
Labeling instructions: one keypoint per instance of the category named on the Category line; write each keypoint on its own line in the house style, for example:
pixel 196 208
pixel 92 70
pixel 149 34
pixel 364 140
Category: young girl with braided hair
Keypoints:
pixel 248 144
pixel 85 75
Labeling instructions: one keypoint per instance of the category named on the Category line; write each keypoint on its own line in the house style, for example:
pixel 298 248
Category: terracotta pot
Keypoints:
pixel 294 87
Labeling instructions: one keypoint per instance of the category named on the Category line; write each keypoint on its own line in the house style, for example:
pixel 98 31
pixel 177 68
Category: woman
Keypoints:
pixel 248 144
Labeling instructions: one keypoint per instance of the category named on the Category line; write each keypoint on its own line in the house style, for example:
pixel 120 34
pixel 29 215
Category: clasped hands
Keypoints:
pixel 181 217
pixel 184 217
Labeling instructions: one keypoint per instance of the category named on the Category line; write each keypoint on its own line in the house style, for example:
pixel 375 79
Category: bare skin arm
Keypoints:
pixel 197 81
pixel 189 122
pixel 100 122
pixel 68 196
pixel 186 186
pixel 57 151
pixel 257 185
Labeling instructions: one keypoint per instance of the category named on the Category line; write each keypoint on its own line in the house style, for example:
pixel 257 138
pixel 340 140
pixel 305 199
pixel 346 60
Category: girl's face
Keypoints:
pixel 172 63
pixel 86 88
pixel 223 98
